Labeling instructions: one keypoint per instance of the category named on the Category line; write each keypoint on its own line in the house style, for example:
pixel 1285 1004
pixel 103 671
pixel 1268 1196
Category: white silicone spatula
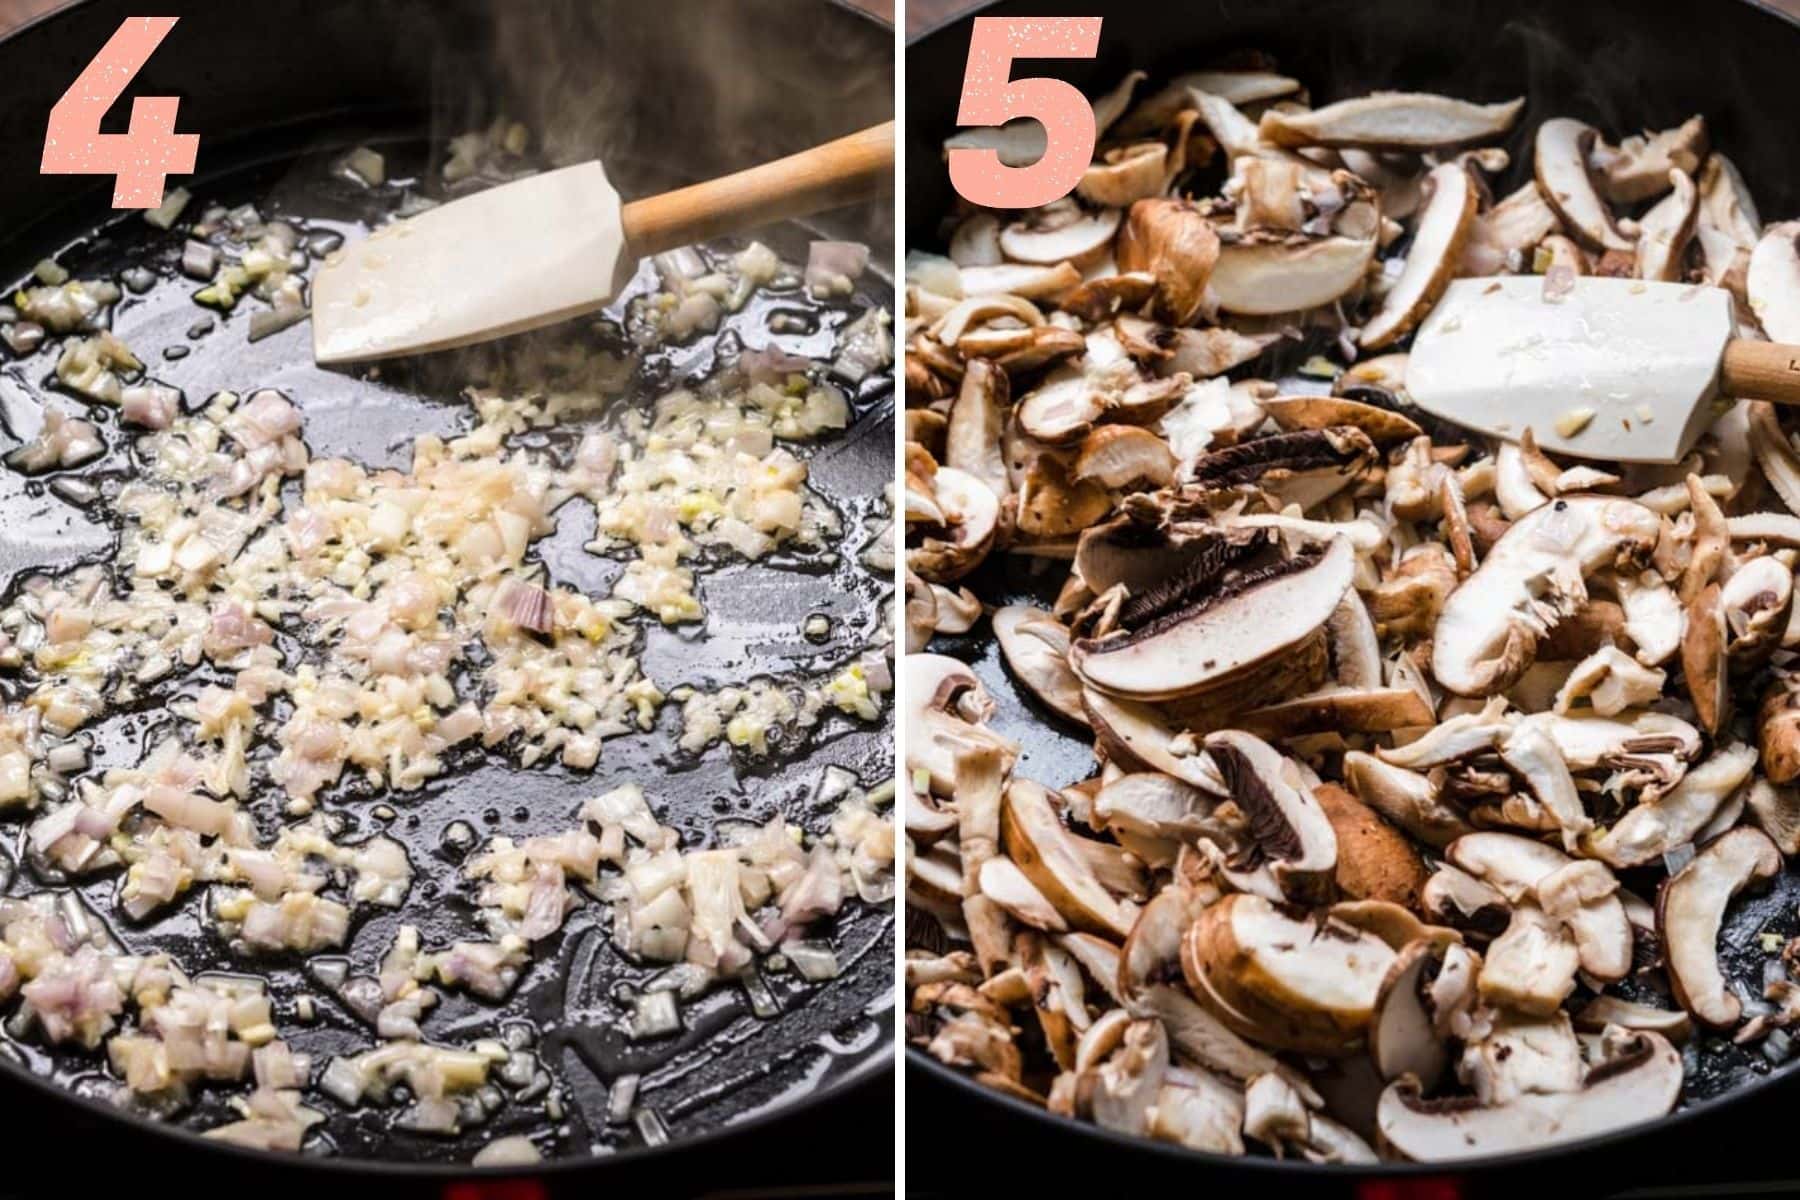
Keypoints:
pixel 556 245
pixel 1613 368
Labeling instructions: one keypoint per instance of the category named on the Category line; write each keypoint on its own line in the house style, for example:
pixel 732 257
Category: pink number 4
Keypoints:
pixel 149 151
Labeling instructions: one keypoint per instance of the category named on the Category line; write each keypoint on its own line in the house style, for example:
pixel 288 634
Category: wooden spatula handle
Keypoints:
pixel 851 169
pixel 1761 371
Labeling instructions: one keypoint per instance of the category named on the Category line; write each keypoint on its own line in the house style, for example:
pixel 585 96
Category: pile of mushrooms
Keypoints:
pixel 1427 767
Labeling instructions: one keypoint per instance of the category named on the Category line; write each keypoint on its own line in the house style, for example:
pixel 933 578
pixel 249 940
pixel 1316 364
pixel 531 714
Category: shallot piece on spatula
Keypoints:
pixel 1594 367
pixel 554 246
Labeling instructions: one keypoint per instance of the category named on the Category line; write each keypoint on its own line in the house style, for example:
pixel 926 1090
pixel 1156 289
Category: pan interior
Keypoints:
pixel 570 1011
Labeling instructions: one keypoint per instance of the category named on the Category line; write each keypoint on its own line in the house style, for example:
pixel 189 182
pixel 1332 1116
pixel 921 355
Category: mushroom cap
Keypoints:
pixel 1375 861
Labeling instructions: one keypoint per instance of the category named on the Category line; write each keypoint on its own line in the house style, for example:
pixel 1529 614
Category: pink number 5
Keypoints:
pixel 149 151
pixel 991 96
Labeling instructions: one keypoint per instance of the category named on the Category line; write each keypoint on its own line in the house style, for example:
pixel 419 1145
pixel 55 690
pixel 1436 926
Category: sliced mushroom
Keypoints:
pixel 1151 804
pixel 1652 829
pixel 1017 143
pixel 1200 1112
pixel 1125 175
pixel 1264 277
pixel 1640 170
pixel 1443 229
pixel 921 613
pixel 1275 1115
pixel 1776 811
pixel 1136 735
pixel 1603 1011
pixel 957 545
pixel 1611 681
pixel 1020 279
pixel 1036 647
pixel 1531 966
pixel 1566 179
pixel 1641 1083
pixel 1728 226
pixel 1583 896
pixel 1374 860
pixel 976 242
pixel 1035 838
pixel 1533 577
pixel 1456 898
pixel 1216 641
pixel 945 708
pixel 1382 425
pixel 1667 229
pixel 1283 980
pixel 1504 236
pixel 1125 457
pixel 954 611
pixel 1756 603
pixel 1006 885
pixel 1691 907
pixel 1392 121
pixel 1291 832
pixel 1522 1055
pixel 1407 798
pixel 1152 955
pixel 1404 1036
pixel 1773 282
pixel 1302 468
pixel 972 439
pixel 1052 504
pixel 1204 353
pixel 1778 729
pixel 1534 757
pixel 1120 1093
pixel 1175 242
pixel 1059 234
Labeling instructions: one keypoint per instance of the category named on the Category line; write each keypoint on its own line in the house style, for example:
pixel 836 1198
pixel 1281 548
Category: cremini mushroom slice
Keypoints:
pixel 1198 1111
pixel 975 311
pixel 1059 233
pixel 1407 798
pixel 1778 728
pixel 1053 504
pixel 1641 1082
pixel 1609 681
pixel 1522 1055
pixel 1504 236
pixel 1204 353
pixel 1120 1093
pixel 1032 282
pixel 1392 121
pixel 1776 810
pixel 1407 1033
pixel 1382 425
pixel 1566 179
pixel 1531 754
pixel 1601 1011
pixel 1773 282
pixel 1690 909
pixel 976 241
pixel 1285 980
pixel 1036 646
pixel 1533 577
pixel 1264 275
pixel 1125 458
pixel 1756 602
pixel 1175 243
pixel 957 527
pixel 1018 143
pixel 1531 966
pixel 1667 229
pixel 1302 468
pixel 1443 228
pixel 1640 169
pixel 1275 1115
pixel 1583 896
pixel 953 611
pixel 1158 110
pixel 920 613
pixel 1106 297
pixel 946 707
pixel 1006 885
pixel 1455 898
pixel 1727 226
pixel 1151 804
pixel 1034 836
pixel 1652 829
pixel 1374 860
pixel 972 438
pixel 1125 174
pixel 1292 834
pixel 1214 641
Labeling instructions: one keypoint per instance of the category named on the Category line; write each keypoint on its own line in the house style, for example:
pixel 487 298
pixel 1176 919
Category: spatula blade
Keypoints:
pixel 514 257
pixel 1498 356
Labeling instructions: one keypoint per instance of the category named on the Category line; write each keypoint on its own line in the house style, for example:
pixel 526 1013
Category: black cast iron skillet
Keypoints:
pixel 665 94
pixel 1620 64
